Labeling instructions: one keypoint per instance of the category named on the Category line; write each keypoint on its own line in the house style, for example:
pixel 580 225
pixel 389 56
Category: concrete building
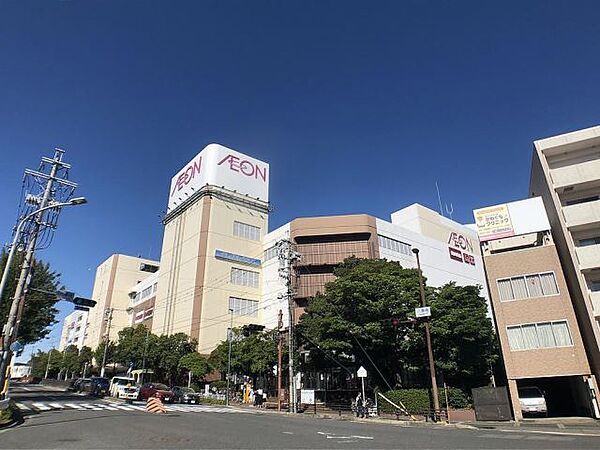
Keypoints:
pixel 565 172
pixel 212 246
pixel 449 251
pixel 74 330
pixel 112 285
pixel 536 324
pixel 142 299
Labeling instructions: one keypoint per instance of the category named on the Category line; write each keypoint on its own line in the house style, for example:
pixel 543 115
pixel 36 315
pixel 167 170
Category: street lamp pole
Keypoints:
pixel 229 338
pixel 436 400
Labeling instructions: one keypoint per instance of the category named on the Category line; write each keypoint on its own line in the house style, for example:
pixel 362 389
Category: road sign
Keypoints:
pixel 307 396
pixel 425 311
pixel 362 372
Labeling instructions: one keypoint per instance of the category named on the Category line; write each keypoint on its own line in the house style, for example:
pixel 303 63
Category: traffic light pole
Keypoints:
pixel 279 358
pixel 434 388
pixel 106 341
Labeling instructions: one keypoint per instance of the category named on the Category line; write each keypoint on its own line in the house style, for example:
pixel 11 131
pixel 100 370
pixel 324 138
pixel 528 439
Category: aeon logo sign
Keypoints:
pixel 245 167
pixel 458 246
pixel 187 175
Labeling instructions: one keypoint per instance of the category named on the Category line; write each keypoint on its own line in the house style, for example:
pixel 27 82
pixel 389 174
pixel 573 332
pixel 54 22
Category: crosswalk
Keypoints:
pixel 36 407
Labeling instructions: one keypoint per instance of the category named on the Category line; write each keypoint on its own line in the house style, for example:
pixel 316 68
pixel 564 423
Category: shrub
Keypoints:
pixel 418 401
pixel 218 384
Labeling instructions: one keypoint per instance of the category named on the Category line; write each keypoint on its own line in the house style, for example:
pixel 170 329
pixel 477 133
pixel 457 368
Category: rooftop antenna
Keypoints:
pixel 439 198
pixel 450 210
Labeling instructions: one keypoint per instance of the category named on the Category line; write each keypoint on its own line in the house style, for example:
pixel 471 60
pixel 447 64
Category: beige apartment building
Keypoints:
pixel 212 247
pixel 566 174
pixel 537 327
pixel 112 285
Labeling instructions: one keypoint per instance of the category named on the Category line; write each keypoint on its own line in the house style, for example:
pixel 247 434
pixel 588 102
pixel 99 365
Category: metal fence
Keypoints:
pixel 491 403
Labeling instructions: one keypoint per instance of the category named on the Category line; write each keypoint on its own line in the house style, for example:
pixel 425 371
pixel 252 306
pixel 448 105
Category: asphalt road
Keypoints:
pixel 92 423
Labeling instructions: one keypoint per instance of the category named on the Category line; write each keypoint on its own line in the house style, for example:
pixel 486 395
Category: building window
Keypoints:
pixel 589 241
pixel 270 253
pixel 595 286
pixel 539 335
pixel 394 245
pixel 527 286
pixel 149 313
pixel 243 277
pixel 246 231
pixel 577 201
pixel 243 307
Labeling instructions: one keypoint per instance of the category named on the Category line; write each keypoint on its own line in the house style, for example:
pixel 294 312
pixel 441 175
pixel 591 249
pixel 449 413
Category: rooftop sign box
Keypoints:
pixel 220 166
pixel 511 219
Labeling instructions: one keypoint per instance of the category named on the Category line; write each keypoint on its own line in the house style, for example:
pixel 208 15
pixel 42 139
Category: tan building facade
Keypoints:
pixel 566 174
pixel 537 327
pixel 112 285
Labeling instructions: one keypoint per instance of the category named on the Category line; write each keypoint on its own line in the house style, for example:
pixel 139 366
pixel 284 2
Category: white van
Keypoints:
pixel 124 387
pixel 532 400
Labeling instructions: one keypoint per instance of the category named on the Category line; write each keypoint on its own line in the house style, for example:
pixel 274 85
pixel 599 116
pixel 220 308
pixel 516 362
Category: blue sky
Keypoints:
pixel 359 107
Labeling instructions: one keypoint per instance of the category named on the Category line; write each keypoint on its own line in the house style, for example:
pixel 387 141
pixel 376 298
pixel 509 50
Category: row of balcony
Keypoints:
pixel 582 214
pixel 595 296
pixel 584 172
pixel 589 257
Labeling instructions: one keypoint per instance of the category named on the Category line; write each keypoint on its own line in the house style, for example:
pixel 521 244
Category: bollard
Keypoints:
pixel 154 405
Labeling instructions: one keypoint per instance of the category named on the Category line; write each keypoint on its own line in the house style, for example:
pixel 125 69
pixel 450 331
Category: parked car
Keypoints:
pixel 124 387
pixel 532 401
pixel 156 390
pixel 185 395
pixel 83 385
pixel 99 387
pixel 78 384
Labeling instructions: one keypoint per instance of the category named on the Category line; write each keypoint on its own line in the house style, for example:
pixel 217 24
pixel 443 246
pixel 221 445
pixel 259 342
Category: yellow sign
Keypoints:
pixel 493 222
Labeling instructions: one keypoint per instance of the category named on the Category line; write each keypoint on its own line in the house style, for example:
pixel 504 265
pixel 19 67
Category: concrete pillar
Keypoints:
pixel 592 384
pixel 514 398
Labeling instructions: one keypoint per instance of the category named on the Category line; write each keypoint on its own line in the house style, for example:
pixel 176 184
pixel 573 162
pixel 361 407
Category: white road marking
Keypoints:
pixel 287 432
pixel 122 407
pixel 110 408
pixel 56 405
pixel 74 406
pixel 41 406
pixel 23 407
pixel 92 407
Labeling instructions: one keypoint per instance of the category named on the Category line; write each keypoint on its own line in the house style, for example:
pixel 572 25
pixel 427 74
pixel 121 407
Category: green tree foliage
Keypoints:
pixel 70 360
pixel 464 342
pixel 111 352
pixel 252 355
pixel 195 363
pixel 39 312
pixel 39 362
pixel 167 353
pixel 85 356
pixel 357 308
pixel 132 343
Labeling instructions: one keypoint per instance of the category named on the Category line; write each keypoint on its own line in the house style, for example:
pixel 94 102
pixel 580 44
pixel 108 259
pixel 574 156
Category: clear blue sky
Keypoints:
pixel 359 107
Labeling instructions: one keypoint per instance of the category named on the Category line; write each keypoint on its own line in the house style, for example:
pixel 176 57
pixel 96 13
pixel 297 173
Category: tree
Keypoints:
pixel 252 355
pixel 70 360
pixel 352 319
pixel 133 343
pixel 196 363
pixel 39 312
pixel 464 341
pixel 167 353
pixel 110 353
pixel 85 356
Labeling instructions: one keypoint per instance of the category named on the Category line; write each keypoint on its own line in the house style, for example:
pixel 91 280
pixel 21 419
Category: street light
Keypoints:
pixel 73 202
pixel 436 400
pixel 229 338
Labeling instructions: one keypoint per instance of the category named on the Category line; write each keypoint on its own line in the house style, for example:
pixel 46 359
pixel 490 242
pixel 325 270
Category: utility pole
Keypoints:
pixel 108 314
pixel 144 356
pixel 44 204
pixel 279 357
pixel 48 363
pixel 229 339
pixel 436 400
pixel 287 256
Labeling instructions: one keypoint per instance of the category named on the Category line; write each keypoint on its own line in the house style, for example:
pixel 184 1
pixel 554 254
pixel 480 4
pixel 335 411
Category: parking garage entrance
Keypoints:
pixel 564 397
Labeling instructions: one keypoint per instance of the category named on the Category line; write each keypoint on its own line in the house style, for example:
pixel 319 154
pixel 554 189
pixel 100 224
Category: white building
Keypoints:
pixel 74 330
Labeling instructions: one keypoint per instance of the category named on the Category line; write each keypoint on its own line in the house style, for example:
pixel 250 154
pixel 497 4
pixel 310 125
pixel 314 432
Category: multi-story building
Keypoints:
pixel 74 330
pixel 141 301
pixel 112 285
pixel 212 247
pixel 536 324
pixel 566 174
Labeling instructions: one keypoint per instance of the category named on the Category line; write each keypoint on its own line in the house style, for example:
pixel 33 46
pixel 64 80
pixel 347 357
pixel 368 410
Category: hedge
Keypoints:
pixel 417 401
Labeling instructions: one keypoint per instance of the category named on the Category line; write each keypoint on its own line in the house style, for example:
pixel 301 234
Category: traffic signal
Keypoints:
pixel 80 301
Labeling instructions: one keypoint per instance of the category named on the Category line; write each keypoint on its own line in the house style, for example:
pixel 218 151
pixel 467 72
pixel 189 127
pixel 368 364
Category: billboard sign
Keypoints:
pixel 493 222
pixel 511 219
pixel 223 167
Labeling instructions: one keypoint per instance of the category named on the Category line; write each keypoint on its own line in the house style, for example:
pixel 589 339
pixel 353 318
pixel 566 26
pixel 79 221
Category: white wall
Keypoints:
pixel 272 284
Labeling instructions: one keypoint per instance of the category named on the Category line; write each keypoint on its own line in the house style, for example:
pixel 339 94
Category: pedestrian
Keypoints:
pixel 359 405
pixel 259 397
pixel 264 400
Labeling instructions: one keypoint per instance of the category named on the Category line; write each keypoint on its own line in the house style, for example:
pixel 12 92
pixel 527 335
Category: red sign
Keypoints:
pixel 188 174
pixel 459 246
pixel 246 167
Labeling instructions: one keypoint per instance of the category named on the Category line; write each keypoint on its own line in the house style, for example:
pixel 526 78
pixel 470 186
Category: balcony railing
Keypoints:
pixel 576 174
pixel 332 252
pixel 582 213
pixel 595 296
pixel 589 257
